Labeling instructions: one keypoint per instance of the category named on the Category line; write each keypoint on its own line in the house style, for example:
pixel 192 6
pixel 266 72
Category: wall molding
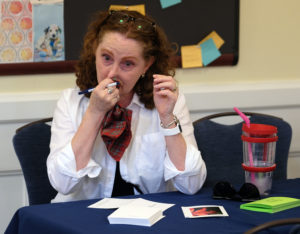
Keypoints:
pixel 27 106
pixel 203 98
pixel 200 98
pixel 294 154
pixel 10 173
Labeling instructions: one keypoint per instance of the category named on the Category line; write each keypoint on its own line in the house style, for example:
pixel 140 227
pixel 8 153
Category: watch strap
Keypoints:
pixel 171 131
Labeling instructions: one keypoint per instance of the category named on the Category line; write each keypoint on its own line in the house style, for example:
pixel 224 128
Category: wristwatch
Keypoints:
pixel 171 131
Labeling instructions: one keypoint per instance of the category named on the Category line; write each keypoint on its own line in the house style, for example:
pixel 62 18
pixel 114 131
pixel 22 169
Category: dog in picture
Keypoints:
pixel 49 44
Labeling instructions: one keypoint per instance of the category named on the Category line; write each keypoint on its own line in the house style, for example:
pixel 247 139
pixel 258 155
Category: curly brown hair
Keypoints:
pixel 155 44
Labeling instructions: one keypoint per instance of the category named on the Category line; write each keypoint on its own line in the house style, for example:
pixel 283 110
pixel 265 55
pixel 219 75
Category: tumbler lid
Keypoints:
pixel 259 169
pixel 260 129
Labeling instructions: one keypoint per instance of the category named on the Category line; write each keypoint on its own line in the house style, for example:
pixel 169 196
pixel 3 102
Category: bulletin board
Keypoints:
pixel 185 23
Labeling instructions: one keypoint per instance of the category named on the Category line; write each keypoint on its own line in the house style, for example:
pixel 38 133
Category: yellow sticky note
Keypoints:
pixel 139 8
pixel 191 56
pixel 215 36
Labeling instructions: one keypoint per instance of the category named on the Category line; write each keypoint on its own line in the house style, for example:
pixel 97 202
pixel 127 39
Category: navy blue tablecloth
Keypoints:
pixel 75 217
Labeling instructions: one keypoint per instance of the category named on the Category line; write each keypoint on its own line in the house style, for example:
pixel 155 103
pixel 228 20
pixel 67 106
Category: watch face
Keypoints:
pixel 176 119
pixel 177 123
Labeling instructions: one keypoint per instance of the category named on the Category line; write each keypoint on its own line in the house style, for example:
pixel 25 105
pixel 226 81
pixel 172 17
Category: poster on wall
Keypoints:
pixel 16 31
pixel 48 30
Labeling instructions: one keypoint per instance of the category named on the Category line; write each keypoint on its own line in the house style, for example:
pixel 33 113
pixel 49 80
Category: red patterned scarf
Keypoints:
pixel 116 131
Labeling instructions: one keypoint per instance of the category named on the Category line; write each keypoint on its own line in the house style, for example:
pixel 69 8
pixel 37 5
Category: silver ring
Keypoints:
pixel 109 91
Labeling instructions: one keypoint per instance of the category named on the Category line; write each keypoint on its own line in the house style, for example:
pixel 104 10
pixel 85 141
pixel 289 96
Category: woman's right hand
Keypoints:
pixel 102 100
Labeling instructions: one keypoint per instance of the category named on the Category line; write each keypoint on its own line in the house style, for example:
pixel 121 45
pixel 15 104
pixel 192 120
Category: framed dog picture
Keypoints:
pixel 48 31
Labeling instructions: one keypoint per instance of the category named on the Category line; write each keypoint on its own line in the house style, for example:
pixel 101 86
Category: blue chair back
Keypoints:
pixel 222 149
pixel 31 144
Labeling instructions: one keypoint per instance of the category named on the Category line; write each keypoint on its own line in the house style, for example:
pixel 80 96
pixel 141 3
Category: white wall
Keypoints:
pixel 12 195
pixel 266 79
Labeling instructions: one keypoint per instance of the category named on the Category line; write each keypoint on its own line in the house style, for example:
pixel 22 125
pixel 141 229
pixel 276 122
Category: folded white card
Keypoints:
pixel 112 203
pixel 147 203
pixel 136 215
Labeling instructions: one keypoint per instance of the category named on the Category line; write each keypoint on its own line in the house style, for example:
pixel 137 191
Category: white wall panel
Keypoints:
pixel 13 195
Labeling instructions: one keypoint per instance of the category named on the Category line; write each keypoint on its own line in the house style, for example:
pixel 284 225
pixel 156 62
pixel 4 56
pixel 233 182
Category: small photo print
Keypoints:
pixel 204 211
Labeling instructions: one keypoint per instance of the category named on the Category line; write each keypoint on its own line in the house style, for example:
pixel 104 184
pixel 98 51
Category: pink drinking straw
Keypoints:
pixel 247 121
pixel 243 116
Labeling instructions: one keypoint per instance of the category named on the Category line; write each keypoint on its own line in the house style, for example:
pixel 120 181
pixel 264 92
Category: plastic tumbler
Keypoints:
pixel 259 145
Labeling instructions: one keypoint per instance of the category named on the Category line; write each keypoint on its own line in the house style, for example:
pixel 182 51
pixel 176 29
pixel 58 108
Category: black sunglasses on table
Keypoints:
pixel 224 190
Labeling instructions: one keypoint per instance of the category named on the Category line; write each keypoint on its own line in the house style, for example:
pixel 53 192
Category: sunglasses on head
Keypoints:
pixel 224 190
pixel 141 24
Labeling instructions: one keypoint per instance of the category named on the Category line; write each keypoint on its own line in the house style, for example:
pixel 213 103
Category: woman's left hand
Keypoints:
pixel 165 93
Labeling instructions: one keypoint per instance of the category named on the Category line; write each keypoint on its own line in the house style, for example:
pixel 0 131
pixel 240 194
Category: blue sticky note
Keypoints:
pixel 209 51
pixel 168 3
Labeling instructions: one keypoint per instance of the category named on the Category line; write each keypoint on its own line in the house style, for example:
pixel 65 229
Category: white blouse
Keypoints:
pixel 145 162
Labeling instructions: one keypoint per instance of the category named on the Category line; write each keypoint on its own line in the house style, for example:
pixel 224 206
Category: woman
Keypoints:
pixel 124 137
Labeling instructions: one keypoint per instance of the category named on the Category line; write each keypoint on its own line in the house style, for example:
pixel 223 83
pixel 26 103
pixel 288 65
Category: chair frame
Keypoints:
pixel 273 223
pixel 231 113
pixel 45 120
